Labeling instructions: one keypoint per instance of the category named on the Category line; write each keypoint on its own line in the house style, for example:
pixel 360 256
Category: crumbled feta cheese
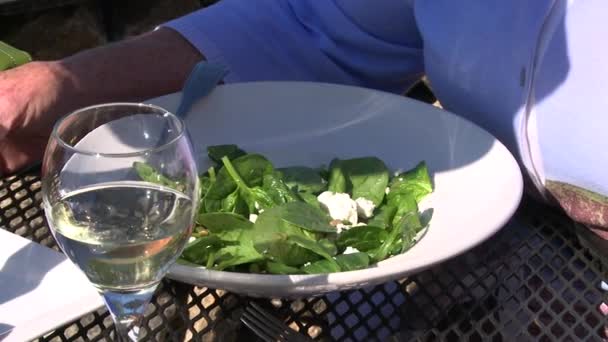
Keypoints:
pixel 350 250
pixel 340 227
pixel 307 264
pixel 256 205
pixel 191 239
pixel 339 206
pixel 253 217
pixel 365 207
pixel 387 190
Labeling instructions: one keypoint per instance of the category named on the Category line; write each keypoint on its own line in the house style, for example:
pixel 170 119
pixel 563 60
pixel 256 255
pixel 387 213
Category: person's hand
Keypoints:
pixel 30 103
pixel 33 96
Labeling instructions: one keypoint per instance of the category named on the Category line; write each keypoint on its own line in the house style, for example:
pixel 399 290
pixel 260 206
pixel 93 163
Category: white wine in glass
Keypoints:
pixel 122 227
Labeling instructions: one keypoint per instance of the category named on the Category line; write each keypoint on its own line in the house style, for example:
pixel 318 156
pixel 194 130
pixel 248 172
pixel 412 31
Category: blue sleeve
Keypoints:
pixel 346 42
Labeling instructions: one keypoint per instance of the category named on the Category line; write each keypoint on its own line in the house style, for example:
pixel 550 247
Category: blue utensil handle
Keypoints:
pixel 203 78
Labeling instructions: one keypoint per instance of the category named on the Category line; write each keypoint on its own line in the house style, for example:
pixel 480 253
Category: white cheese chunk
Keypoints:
pixel 253 217
pixel 365 207
pixel 339 206
pixel 350 250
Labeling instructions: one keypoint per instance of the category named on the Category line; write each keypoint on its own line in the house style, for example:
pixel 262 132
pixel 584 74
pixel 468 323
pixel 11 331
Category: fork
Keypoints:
pixel 268 327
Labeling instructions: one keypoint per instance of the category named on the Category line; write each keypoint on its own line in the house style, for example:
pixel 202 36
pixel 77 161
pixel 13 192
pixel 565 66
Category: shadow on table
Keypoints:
pixel 23 271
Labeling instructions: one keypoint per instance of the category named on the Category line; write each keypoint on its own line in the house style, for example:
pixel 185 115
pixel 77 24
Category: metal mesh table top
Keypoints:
pixel 533 281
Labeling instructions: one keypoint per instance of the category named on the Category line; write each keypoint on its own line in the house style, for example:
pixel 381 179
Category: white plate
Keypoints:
pixel 478 184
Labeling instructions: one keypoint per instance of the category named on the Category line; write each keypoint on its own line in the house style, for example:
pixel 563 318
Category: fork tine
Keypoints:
pixel 256 329
pixel 275 321
pixel 269 328
pixel 272 328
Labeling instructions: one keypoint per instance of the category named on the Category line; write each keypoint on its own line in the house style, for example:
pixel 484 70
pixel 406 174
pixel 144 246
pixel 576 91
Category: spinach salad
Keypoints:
pixel 256 218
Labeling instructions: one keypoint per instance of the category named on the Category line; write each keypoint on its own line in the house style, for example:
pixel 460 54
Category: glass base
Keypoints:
pixel 127 309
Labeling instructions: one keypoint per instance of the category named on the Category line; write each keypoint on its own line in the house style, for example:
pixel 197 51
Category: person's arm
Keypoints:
pixel 149 65
pixel 35 95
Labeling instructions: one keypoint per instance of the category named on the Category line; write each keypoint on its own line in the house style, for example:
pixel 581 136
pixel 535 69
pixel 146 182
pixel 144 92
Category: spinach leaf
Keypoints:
pixel 305 216
pixel 383 217
pixel 305 179
pixel 313 246
pixel 205 183
pixel 238 231
pixel 250 168
pixel 363 238
pixel 416 182
pixel 255 197
pixel 149 174
pixel 310 199
pixel 405 204
pixel 321 266
pixel 329 246
pixel 278 191
pixel 368 178
pixel 217 152
pixel 353 261
pixel 236 255
pixel 337 177
pixel 274 238
pixel 417 223
pixel 409 222
pixel 279 268
pixel 226 226
pixel 198 251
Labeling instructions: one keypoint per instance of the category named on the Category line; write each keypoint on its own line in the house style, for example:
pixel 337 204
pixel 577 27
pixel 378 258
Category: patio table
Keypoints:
pixel 532 281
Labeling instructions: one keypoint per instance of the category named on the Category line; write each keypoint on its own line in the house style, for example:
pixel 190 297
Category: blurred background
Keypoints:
pixel 52 29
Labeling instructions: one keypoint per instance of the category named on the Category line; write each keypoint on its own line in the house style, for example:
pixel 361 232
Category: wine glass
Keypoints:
pixel 120 191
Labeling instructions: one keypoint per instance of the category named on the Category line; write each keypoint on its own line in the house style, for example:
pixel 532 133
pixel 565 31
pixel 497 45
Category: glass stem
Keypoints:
pixel 127 309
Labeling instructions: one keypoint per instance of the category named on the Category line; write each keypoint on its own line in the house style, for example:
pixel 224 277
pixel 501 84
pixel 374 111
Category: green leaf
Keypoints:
pixel 273 238
pixel 250 168
pixel 415 182
pixel 368 178
pixel 313 246
pixel 279 268
pixel 363 238
pixel 329 246
pixel 227 226
pixel 305 216
pixel 305 179
pixel 384 216
pixel 217 152
pixel 198 251
pixel 310 199
pixel 278 191
pixel 337 177
pixel 205 184
pixel 321 266
pixel 353 261
pixel 416 224
pixel 405 204
pixel 235 229
pixel 253 195
pixel 408 223
pixel 149 174
pixel 236 255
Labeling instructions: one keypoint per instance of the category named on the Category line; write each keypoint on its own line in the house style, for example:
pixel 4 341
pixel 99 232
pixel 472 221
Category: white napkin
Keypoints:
pixel 39 289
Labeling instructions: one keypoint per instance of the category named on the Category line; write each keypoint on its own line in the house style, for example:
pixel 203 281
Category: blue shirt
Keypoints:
pixel 533 73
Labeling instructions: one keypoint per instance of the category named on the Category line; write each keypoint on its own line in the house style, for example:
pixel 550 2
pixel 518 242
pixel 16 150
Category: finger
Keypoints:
pixel 16 154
